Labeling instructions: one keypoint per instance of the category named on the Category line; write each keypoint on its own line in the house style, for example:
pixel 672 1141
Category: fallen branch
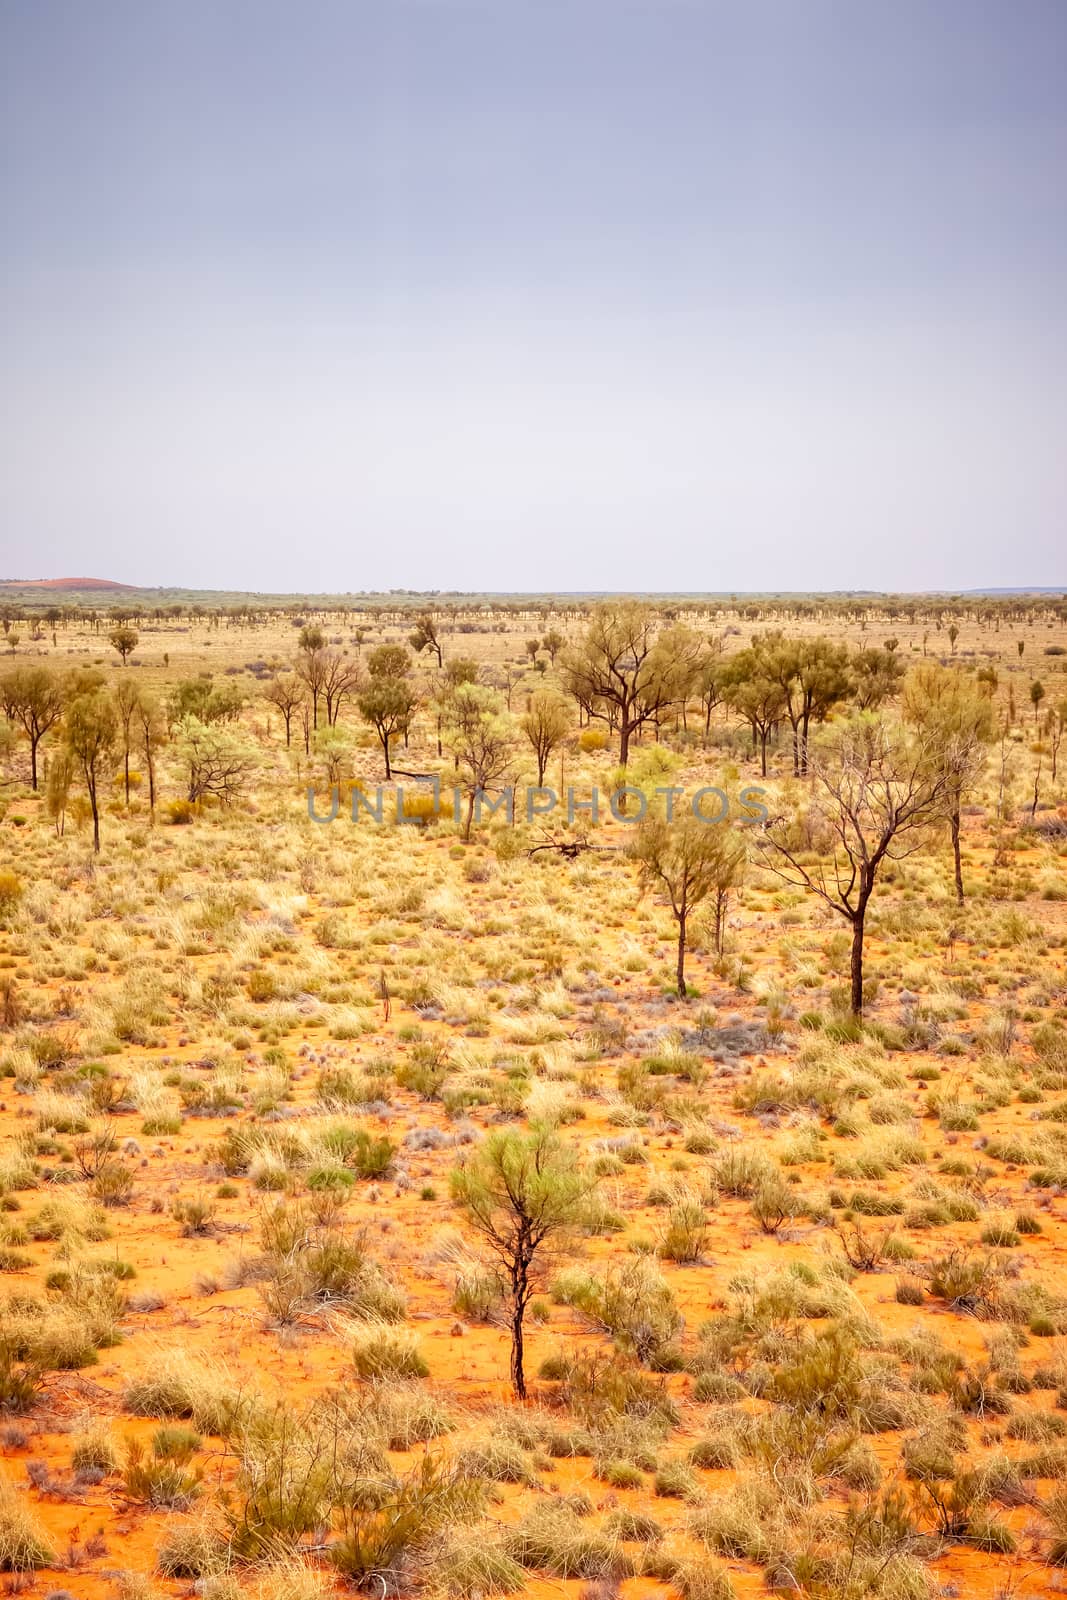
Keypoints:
pixel 570 849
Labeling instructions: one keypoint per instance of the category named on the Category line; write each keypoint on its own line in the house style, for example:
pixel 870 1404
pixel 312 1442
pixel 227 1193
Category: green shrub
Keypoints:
pixel 740 1172
pixel 372 1157
pixel 157 1476
pixel 686 1235
pixel 967 1283
pixel 22 1374
pixel 774 1203
pixel 633 1302
pixel 823 1375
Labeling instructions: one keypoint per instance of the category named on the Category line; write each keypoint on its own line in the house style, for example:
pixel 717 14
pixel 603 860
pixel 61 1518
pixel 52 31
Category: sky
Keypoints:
pixel 534 294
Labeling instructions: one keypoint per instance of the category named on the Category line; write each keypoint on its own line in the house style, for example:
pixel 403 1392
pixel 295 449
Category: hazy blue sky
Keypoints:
pixel 344 294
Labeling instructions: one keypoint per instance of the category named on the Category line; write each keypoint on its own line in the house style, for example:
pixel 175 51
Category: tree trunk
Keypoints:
pixel 720 920
pixel 90 784
pixel 469 820
pixel 33 761
pixel 624 743
pixel 520 1289
pixel 857 964
pixel 518 1375
pixel 388 768
pixel 763 751
pixel 954 826
pixel 681 957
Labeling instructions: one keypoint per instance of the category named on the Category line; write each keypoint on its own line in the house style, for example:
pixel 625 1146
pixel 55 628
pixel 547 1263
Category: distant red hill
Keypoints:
pixel 65 583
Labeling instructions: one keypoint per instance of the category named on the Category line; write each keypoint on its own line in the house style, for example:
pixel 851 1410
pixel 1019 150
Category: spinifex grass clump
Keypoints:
pixel 306 1263
pixel 23 1544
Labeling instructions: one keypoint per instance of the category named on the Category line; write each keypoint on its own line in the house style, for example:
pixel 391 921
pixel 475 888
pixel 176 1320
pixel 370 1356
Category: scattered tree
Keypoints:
pixel 521 1193
pixel 208 702
pixel 124 640
pixel 479 737
pixel 616 672
pixel 689 859
pixel 340 678
pixel 876 677
pixel 152 731
pixel 387 699
pixel 545 725
pixel 57 788
pixel 389 661
pixel 1055 722
pixel 424 636
pixel 874 792
pixel 90 731
pixel 312 668
pixel 127 698
pixel 34 698
pixel 1037 694
pixel 216 761
pixel 285 692
pixel 955 720
pixel 749 688
pixel 813 675
pixel 310 639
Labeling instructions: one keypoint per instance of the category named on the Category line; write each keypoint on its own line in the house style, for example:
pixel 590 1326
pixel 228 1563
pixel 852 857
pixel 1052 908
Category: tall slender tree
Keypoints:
pixel 955 720
pixel 522 1193
pixel 90 731
pixel 545 725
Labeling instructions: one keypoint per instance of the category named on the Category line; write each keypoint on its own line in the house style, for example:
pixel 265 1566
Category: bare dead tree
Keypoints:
pixel 285 693
pixel 340 677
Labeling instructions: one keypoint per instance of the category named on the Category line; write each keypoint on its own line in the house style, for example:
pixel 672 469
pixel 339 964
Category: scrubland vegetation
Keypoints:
pixel 481 1205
